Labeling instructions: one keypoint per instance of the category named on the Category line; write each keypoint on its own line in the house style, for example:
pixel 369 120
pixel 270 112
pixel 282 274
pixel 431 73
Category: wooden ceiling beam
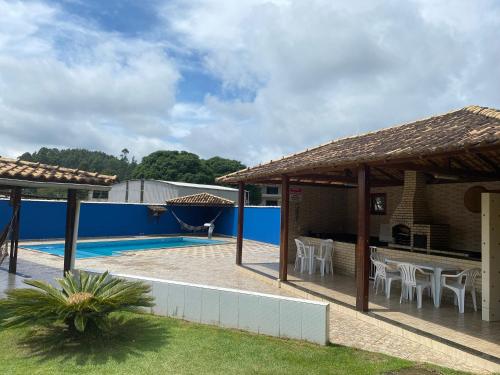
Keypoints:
pixel 486 160
pixel 388 175
pixel 465 173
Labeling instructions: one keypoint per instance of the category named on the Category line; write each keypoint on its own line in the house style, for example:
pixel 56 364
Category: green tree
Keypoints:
pixel 94 161
pixel 174 166
pixel 220 166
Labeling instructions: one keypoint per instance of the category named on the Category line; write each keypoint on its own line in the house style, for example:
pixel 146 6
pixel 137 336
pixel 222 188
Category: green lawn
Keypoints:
pixel 144 344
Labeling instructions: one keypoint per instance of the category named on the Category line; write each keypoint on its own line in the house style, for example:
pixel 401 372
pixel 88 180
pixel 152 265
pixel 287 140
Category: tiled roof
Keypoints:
pixel 37 172
pixel 202 199
pixel 468 128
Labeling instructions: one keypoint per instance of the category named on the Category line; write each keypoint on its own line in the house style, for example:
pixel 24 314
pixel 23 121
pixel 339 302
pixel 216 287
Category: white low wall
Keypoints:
pixel 254 312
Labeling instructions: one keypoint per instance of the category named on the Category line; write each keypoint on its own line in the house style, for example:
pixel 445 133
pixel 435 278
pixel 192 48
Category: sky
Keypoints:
pixel 250 80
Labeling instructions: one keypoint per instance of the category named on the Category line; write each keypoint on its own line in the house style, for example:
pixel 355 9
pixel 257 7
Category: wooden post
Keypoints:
pixel 71 212
pixel 75 235
pixel 14 239
pixel 285 208
pixel 241 209
pixel 362 253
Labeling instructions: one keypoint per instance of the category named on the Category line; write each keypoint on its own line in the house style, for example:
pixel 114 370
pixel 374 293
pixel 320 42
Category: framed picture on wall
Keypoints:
pixel 378 203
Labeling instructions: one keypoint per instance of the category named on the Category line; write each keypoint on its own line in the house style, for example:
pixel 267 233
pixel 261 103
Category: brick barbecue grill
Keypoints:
pixel 411 222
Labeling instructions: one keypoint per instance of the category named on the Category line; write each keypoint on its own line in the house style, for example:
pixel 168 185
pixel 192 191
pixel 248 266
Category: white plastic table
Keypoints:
pixel 436 268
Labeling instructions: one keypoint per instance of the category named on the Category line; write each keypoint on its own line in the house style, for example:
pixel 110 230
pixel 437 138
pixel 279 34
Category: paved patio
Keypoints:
pixel 444 322
pixel 214 265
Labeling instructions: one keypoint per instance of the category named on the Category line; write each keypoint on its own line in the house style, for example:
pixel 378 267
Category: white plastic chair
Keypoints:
pixel 375 255
pixel 325 257
pixel 460 283
pixel 410 283
pixel 384 274
pixel 301 256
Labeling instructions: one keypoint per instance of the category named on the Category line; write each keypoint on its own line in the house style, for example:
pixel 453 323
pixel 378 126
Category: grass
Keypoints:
pixel 145 344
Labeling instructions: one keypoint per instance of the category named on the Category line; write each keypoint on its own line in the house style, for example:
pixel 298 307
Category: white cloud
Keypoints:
pixel 324 69
pixel 307 72
pixel 64 83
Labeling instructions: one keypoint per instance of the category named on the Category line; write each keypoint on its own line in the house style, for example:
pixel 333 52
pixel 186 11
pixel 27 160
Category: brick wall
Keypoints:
pixel 333 210
pixel 322 209
pixel 343 255
pixel 330 210
pixel 446 204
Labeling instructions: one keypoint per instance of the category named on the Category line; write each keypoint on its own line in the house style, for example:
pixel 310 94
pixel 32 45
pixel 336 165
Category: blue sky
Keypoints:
pixel 139 19
pixel 247 79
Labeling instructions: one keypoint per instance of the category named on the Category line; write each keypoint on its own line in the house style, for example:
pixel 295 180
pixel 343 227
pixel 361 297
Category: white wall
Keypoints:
pixel 159 192
pixel 254 312
pixel 117 192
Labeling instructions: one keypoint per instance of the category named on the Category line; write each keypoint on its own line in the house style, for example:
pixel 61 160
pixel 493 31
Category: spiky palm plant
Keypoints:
pixel 83 303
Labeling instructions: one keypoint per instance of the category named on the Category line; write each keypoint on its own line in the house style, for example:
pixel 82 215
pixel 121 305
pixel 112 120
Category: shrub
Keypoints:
pixel 83 303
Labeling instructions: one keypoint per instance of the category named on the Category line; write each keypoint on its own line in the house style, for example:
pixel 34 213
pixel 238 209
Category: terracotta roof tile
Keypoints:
pixel 466 128
pixel 202 199
pixel 37 172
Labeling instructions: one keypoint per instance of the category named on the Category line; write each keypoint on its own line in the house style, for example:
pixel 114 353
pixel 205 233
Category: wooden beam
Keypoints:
pixel 69 238
pixel 388 175
pixel 241 210
pixel 487 161
pixel 285 209
pixel 459 162
pixel 461 173
pixel 15 198
pixel 362 254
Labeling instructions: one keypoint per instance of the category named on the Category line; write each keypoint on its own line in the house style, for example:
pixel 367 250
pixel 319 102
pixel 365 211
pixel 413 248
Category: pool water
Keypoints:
pixel 114 248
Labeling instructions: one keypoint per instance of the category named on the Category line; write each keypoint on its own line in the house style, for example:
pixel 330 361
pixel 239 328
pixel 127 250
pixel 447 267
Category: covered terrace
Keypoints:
pixel 437 178
pixel 18 178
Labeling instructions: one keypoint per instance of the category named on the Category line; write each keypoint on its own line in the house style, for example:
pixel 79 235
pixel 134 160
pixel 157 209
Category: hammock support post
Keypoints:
pixel 14 241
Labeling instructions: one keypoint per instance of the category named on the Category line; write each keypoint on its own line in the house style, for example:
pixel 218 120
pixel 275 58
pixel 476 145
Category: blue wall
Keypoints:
pixel 259 224
pixel 46 219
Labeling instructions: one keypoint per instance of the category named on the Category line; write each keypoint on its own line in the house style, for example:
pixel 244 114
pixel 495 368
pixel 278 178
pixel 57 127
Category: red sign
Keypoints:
pixel 296 194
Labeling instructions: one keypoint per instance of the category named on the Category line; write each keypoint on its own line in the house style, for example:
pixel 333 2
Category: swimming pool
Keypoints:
pixel 114 248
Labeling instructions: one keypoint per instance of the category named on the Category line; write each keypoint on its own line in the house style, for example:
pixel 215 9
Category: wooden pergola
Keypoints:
pixel 16 175
pixel 459 146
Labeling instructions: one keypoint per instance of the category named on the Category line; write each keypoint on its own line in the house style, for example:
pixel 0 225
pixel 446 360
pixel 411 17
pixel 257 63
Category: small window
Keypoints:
pixel 378 203
pixel 271 190
pixel 271 203
pixel 97 194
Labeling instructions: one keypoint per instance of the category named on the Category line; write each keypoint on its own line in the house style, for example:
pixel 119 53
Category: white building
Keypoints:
pixel 271 195
pixel 157 191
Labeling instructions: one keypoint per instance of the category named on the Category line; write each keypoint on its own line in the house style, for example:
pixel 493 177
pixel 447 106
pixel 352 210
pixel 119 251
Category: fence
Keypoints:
pixel 43 219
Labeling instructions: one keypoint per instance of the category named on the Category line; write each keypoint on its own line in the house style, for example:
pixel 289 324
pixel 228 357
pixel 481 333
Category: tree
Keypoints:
pixel 124 154
pixel 220 166
pixel 255 194
pixel 174 166
pixel 93 161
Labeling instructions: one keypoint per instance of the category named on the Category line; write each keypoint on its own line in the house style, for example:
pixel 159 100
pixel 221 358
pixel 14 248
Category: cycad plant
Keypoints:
pixel 83 303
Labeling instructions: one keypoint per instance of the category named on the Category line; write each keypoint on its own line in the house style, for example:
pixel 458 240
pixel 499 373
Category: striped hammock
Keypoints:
pixel 192 228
